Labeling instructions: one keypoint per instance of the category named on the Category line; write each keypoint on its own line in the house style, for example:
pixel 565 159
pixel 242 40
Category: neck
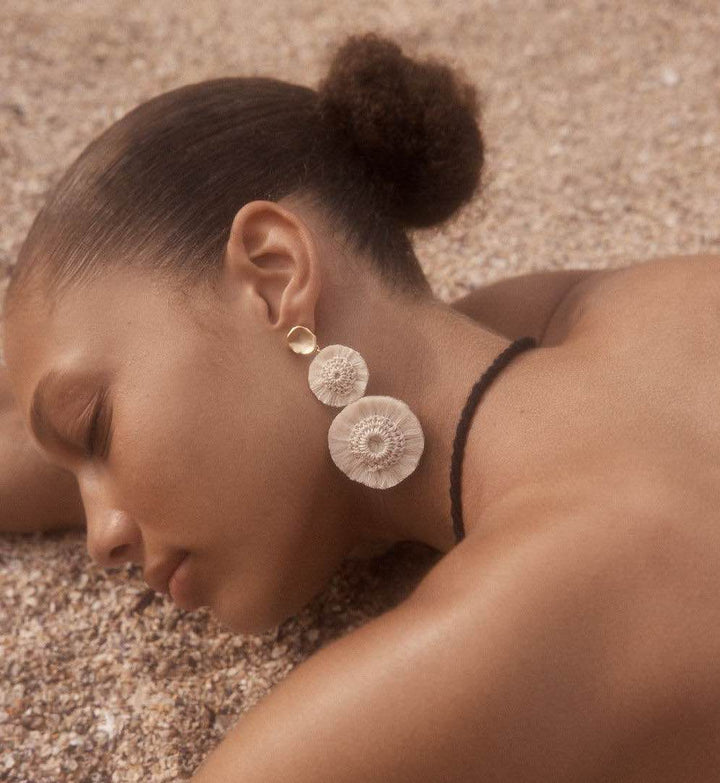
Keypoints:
pixel 429 356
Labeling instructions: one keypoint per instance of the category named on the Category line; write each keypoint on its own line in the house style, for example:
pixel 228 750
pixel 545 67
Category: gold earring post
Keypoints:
pixel 302 340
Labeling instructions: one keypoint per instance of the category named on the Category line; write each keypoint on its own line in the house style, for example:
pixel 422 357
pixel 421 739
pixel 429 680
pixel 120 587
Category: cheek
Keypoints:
pixel 193 461
pixel 235 483
pixel 174 458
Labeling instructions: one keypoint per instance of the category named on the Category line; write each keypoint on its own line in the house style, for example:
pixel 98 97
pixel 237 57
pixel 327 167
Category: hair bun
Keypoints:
pixel 413 123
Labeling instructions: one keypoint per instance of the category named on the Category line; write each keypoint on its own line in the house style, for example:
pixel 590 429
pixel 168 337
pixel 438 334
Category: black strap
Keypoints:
pixel 463 427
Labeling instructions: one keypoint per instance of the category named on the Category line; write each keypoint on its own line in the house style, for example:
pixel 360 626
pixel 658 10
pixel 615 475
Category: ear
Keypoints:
pixel 272 258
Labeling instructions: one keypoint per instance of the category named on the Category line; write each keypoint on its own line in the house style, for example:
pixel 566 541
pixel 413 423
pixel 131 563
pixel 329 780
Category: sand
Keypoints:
pixel 602 123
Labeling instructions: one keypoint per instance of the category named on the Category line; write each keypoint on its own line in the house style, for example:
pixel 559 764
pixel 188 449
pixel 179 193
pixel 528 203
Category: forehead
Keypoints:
pixel 94 328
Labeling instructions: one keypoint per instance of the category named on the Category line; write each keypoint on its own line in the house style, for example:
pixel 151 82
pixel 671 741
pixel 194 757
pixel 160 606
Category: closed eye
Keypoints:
pixel 84 436
pixel 88 428
pixel 94 445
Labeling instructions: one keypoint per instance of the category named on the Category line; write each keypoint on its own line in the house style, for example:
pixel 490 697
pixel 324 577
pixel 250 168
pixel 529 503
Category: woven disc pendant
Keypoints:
pixel 338 375
pixel 377 441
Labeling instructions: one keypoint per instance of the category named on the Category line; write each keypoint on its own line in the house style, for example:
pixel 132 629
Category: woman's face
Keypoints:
pixel 208 442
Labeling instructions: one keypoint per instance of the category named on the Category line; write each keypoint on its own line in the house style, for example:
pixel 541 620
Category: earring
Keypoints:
pixel 375 440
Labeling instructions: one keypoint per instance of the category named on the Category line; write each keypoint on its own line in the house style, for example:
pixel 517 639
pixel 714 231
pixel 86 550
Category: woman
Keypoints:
pixel 161 336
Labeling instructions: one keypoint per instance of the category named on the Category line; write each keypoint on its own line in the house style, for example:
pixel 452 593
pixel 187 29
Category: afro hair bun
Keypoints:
pixel 412 123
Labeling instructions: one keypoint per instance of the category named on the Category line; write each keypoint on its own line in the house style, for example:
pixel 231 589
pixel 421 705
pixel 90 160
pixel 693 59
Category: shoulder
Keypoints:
pixel 528 620
pixel 662 286
pixel 536 550
pixel 482 673
pixel 661 274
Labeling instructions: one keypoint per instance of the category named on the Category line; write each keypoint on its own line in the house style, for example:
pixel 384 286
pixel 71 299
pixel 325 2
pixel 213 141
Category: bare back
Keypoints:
pixel 616 452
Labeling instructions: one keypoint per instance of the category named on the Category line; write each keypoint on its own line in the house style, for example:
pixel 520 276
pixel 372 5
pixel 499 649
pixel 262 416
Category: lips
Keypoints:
pixel 184 587
pixel 159 574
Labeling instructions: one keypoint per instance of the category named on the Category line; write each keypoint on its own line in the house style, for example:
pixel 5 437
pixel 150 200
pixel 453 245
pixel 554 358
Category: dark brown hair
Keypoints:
pixel 385 144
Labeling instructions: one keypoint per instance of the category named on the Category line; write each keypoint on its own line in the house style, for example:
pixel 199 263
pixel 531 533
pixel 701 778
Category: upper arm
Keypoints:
pixel 382 704
pixel 441 688
pixel 35 494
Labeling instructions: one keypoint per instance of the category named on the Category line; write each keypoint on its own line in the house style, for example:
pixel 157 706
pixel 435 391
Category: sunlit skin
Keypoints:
pixel 217 446
pixel 578 618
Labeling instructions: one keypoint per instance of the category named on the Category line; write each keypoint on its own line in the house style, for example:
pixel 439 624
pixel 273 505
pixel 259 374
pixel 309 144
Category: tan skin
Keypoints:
pixel 571 636
pixel 39 495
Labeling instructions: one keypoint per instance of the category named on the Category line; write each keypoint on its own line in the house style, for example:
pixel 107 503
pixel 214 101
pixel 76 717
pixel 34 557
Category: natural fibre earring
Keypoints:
pixel 375 440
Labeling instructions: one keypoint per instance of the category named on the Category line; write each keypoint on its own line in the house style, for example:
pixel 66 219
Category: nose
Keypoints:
pixel 113 539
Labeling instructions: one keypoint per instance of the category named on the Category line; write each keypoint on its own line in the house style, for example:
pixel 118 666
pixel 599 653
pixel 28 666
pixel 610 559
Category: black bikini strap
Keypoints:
pixel 463 427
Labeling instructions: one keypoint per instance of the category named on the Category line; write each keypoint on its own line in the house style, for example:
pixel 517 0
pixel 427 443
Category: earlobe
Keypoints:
pixel 272 256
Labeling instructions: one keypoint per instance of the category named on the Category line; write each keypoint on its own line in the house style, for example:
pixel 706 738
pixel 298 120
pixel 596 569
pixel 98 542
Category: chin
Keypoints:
pixel 251 623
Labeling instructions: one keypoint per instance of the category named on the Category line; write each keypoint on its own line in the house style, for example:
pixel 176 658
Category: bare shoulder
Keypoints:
pixel 485 672
pixel 537 626
pixel 539 554
pixel 660 285
pixel 574 610
pixel 501 665
pixel 655 273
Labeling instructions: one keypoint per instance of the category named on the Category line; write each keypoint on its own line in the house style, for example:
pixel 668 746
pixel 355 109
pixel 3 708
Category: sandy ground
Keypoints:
pixel 602 123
